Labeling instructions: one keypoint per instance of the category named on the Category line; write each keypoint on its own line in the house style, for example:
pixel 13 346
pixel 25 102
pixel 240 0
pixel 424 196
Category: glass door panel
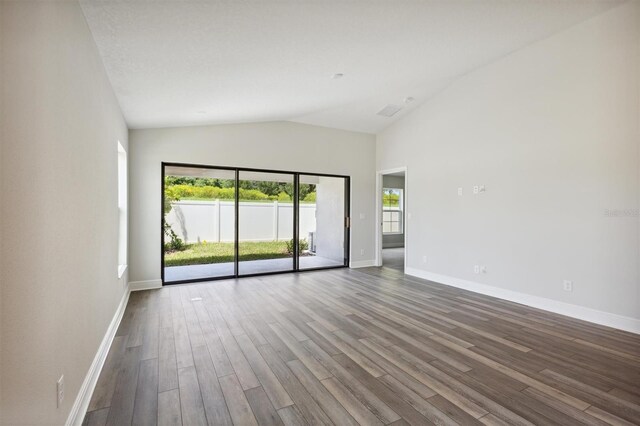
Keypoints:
pixel 322 221
pixel 265 222
pixel 198 223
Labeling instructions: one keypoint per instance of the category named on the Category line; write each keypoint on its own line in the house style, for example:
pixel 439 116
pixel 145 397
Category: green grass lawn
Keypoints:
pixel 204 253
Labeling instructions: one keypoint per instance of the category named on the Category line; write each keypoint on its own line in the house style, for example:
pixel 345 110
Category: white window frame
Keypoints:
pixel 399 209
pixel 122 211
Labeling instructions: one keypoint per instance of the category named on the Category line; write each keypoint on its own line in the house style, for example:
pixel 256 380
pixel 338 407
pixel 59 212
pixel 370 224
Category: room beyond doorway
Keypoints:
pixel 392 218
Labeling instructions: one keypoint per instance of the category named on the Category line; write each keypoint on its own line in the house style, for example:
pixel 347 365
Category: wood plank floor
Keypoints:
pixel 368 346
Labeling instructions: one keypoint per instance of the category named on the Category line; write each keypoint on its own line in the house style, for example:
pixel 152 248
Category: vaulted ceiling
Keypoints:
pixel 180 63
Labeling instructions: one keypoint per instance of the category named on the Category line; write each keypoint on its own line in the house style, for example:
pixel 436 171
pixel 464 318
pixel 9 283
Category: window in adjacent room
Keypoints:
pixel 392 213
pixel 122 210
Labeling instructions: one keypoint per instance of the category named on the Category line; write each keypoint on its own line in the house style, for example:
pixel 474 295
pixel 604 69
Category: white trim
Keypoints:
pixel 145 285
pixel 362 264
pixel 121 269
pixel 80 405
pixel 575 311
pixel 405 222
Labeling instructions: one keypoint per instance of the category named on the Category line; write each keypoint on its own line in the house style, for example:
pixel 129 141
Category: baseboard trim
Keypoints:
pixel 145 285
pixel 620 322
pixel 79 409
pixel 362 264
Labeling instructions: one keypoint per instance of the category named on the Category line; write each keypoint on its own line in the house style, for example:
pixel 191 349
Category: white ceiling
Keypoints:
pixel 180 63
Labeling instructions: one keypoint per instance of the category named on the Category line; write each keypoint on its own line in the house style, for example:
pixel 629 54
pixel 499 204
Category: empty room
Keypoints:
pixel 319 212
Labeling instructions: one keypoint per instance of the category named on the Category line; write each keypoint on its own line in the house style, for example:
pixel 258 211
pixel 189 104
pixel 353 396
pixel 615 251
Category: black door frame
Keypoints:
pixel 296 221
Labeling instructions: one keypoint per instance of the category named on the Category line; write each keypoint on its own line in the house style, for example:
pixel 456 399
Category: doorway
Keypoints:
pixel 392 218
pixel 229 222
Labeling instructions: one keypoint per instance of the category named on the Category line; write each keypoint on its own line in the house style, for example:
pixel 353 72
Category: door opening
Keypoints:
pixel 392 218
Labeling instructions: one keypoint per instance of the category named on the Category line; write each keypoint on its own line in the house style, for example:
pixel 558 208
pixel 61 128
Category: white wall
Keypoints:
pixel 275 145
pixel 393 240
pixel 58 174
pixel 330 218
pixel 552 131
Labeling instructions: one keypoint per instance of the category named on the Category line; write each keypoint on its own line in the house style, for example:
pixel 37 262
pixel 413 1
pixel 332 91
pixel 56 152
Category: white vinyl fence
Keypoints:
pixel 214 221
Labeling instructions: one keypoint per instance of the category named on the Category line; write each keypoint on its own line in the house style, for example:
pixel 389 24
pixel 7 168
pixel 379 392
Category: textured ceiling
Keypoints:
pixel 180 63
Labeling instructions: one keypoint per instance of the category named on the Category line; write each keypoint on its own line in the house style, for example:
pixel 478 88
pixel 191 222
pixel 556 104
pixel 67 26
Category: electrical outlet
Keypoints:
pixel 567 285
pixel 476 269
pixel 460 191
pixel 424 259
pixel 60 390
pixel 483 269
pixel 361 252
pixel 476 189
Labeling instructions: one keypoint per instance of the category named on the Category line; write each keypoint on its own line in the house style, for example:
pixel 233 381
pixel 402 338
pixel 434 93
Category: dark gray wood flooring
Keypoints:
pixel 367 347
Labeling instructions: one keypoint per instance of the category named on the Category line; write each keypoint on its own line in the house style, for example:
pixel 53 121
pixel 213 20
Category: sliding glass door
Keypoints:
pixel 266 222
pixel 226 222
pixel 198 223
pixel 323 221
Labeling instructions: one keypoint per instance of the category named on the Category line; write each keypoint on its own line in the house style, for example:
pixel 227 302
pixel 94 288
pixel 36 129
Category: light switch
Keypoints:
pixel 460 191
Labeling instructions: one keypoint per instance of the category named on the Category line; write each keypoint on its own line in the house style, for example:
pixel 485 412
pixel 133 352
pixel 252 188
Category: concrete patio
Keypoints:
pixel 212 270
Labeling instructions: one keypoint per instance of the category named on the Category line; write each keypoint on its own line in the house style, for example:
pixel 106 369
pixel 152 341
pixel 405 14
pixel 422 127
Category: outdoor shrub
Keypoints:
pixel 303 245
pixel 215 193
pixel 171 195
pixel 283 196
pixel 176 192
pixel 252 195
pixel 176 243
pixel 265 190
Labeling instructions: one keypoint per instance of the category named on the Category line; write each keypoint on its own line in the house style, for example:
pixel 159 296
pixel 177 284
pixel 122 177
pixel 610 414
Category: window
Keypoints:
pixel 392 214
pixel 122 210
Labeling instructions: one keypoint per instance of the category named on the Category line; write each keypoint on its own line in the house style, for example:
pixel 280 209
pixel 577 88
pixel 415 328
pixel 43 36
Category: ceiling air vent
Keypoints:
pixel 389 110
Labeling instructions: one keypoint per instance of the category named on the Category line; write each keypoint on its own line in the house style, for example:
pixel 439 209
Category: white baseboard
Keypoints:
pixel 79 409
pixel 145 285
pixel 575 311
pixel 362 264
